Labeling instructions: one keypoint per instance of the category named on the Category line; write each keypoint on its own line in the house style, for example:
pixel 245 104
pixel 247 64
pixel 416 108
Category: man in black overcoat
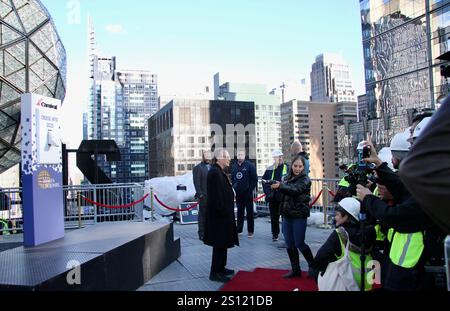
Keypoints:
pixel 220 225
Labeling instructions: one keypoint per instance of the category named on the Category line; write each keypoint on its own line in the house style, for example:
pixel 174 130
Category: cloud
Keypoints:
pixel 115 28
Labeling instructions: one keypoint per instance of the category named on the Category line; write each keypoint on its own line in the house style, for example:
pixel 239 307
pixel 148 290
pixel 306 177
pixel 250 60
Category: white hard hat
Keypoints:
pixel 421 127
pixel 277 153
pixel 351 206
pixel 385 156
pixel 400 141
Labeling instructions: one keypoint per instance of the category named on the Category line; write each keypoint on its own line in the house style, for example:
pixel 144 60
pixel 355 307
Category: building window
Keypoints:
pixel 190 167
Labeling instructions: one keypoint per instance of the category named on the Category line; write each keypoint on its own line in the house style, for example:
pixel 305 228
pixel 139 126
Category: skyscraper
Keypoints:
pixel 136 101
pixel 402 40
pixel 185 127
pixel 267 116
pixel 120 103
pixel 331 80
pixel 315 124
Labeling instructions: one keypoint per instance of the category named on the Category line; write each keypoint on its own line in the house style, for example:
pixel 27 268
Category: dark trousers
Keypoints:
pixel 245 204
pixel 201 219
pixel 219 260
pixel 274 208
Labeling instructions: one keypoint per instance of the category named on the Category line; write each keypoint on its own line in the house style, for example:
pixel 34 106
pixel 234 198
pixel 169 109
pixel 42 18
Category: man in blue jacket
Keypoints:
pixel 244 180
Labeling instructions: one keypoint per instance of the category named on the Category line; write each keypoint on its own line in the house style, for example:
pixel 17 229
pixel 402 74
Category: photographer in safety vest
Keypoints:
pixel 412 235
pixel 275 172
pixel 348 230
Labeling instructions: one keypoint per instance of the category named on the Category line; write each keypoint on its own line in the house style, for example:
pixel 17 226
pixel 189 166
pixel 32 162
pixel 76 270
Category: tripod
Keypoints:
pixel 362 221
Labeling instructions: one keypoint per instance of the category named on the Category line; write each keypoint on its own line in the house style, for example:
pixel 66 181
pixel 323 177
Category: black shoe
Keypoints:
pixel 219 277
pixel 295 264
pixel 293 274
pixel 228 271
pixel 311 273
pixel 275 238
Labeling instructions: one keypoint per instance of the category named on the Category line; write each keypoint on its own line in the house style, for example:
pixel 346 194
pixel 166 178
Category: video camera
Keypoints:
pixel 355 178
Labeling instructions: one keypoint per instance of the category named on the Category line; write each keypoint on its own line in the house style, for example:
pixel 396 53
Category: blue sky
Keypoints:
pixel 186 42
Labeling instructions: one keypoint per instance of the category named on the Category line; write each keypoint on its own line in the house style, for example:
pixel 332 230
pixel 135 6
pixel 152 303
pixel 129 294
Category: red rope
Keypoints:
pixel 317 199
pixel 259 198
pixel 331 193
pixel 175 209
pixel 112 206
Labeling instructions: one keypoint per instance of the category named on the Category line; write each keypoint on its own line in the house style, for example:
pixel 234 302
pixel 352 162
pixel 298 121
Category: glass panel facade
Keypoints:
pixel 402 40
pixel 44 59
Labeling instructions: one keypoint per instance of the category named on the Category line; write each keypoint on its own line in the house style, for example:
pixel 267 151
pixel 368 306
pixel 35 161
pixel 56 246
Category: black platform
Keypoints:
pixel 113 256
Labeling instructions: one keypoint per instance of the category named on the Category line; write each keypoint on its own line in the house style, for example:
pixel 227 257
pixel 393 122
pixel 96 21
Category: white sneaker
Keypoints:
pixel 251 235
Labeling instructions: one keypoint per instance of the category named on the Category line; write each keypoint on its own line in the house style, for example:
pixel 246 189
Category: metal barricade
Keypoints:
pixel 80 210
pixel 327 187
pixel 325 204
pixel 92 204
pixel 11 219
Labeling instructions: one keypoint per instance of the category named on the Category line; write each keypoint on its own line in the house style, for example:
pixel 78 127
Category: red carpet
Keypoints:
pixel 268 280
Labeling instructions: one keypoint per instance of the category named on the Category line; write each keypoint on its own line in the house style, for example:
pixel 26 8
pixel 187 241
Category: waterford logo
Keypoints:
pixel 43 104
pixel 45 181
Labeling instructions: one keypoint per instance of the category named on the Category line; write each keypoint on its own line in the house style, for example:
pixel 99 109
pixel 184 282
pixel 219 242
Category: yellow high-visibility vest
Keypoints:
pixel 355 259
pixel 406 248
pixel 4 226
pixel 344 183
pixel 283 174
pixel 380 235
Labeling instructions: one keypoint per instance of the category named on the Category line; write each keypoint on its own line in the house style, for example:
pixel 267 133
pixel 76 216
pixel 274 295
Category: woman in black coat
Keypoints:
pixel 296 195
pixel 220 225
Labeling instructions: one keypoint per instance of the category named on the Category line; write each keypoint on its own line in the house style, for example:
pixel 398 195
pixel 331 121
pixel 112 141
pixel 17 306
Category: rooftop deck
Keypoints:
pixel 191 271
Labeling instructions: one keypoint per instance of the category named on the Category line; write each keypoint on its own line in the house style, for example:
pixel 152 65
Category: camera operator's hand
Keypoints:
pixel 384 193
pixel 275 186
pixel 362 192
pixel 374 158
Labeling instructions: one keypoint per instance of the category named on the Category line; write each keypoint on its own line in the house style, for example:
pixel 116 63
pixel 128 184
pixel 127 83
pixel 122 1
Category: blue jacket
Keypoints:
pixel 244 178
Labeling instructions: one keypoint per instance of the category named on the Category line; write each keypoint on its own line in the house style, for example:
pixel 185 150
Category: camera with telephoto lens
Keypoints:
pixel 269 182
pixel 355 178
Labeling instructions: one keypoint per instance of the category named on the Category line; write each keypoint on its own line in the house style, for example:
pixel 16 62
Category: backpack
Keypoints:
pixel 339 274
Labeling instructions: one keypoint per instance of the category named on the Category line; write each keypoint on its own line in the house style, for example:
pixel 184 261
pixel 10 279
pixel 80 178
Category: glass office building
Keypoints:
pixel 120 103
pixel 185 127
pixel 267 117
pixel 32 59
pixel 136 102
pixel 331 79
pixel 402 40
